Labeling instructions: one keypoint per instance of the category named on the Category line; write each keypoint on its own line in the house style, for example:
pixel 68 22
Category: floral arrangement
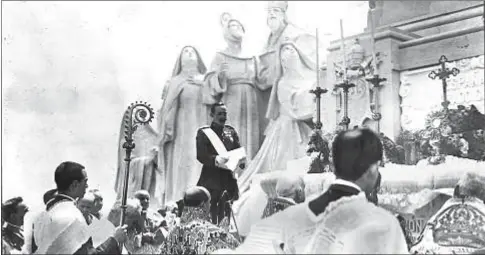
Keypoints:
pixel 457 132
pixel 319 149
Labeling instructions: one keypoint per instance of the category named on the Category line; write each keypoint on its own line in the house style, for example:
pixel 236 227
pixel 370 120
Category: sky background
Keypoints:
pixel 70 69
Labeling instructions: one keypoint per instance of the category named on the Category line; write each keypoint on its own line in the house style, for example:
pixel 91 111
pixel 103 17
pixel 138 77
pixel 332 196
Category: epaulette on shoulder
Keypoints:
pixel 229 126
pixel 204 127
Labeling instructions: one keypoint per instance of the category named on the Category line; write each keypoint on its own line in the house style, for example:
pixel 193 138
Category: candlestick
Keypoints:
pixel 318 60
pixel 373 42
pixel 318 91
pixel 343 49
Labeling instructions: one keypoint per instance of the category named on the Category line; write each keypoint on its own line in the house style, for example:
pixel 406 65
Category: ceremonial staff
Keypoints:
pixel 318 91
pixel 375 80
pixel 138 113
pixel 345 85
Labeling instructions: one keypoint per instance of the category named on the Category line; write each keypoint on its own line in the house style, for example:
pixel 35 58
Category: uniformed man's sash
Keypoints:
pixel 234 156
pixel 215 141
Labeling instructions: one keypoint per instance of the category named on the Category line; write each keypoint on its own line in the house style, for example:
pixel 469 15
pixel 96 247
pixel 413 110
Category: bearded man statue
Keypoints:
pixel 282 31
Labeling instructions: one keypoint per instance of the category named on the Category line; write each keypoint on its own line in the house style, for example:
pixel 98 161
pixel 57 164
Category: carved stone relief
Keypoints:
pixel 421 95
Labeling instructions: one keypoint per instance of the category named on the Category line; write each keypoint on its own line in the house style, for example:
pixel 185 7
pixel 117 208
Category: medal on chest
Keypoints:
pixel 227 135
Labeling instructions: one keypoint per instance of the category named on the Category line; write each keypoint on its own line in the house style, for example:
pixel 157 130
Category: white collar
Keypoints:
pixel 68 197
pixel 347 183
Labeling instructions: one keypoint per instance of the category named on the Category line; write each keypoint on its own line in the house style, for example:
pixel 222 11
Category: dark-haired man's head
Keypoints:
pixel 356 155
pixel 14 210
pixel 71 179
pixel 219 113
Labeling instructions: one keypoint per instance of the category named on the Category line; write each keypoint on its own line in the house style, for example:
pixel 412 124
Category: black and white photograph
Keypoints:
pixel 243 127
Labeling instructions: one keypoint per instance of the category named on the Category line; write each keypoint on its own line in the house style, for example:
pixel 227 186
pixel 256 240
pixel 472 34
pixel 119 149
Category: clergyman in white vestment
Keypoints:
pixel 341 220
pixel 61 228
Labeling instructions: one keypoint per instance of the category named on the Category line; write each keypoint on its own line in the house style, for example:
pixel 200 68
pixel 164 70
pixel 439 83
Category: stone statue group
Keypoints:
pixel 267 99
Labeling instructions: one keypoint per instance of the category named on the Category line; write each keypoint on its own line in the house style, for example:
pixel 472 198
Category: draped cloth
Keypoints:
pixel 286 139
pixel 269 59
pixel 181 114
pixel 287 135
pixel 61 230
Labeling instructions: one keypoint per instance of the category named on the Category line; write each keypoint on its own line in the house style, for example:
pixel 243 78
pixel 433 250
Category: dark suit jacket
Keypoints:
pixel 213 177
pixel 334 193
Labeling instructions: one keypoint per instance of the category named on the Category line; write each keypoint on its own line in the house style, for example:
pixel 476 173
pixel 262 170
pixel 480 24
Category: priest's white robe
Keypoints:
pixel 61 230
pixel 350 225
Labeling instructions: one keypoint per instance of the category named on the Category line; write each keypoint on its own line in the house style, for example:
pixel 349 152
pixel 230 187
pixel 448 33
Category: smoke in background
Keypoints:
pixel 70 69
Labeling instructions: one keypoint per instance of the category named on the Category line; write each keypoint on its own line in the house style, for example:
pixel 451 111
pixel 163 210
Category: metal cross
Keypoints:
pixel 444 73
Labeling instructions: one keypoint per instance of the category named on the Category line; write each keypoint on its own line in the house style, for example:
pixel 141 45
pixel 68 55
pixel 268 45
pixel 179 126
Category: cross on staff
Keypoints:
pixel 444 73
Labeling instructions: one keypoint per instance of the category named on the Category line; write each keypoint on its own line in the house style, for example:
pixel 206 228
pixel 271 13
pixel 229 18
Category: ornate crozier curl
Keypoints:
pixel 145 138
pixel 307 78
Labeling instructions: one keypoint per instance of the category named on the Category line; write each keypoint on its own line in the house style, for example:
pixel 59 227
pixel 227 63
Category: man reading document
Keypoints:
pixel 219 151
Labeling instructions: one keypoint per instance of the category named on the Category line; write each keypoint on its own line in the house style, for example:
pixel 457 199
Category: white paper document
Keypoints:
pixel 235 156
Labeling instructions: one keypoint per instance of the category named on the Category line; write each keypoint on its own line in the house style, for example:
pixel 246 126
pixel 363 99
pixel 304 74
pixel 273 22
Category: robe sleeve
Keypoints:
pixel 110 246
pixel 213 86
pixel 265 237
pixel 383 237
pixel 264 76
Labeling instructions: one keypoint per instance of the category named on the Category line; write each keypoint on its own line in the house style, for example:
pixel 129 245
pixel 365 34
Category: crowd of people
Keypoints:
pixel 67 225
pixel 343 219
pixel 72 223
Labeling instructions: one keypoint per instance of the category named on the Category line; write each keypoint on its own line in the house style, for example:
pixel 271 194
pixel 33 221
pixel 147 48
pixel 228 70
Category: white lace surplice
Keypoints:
pixel 61 230
pixel 350 225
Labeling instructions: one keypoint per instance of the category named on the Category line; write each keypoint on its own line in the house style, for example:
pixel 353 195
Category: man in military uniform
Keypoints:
pixel 13 212
pixel 220 182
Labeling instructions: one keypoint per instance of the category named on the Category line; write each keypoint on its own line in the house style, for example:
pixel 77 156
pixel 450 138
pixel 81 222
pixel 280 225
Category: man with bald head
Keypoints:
pixel 341 220
pixel 86 206
pixel 291 187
